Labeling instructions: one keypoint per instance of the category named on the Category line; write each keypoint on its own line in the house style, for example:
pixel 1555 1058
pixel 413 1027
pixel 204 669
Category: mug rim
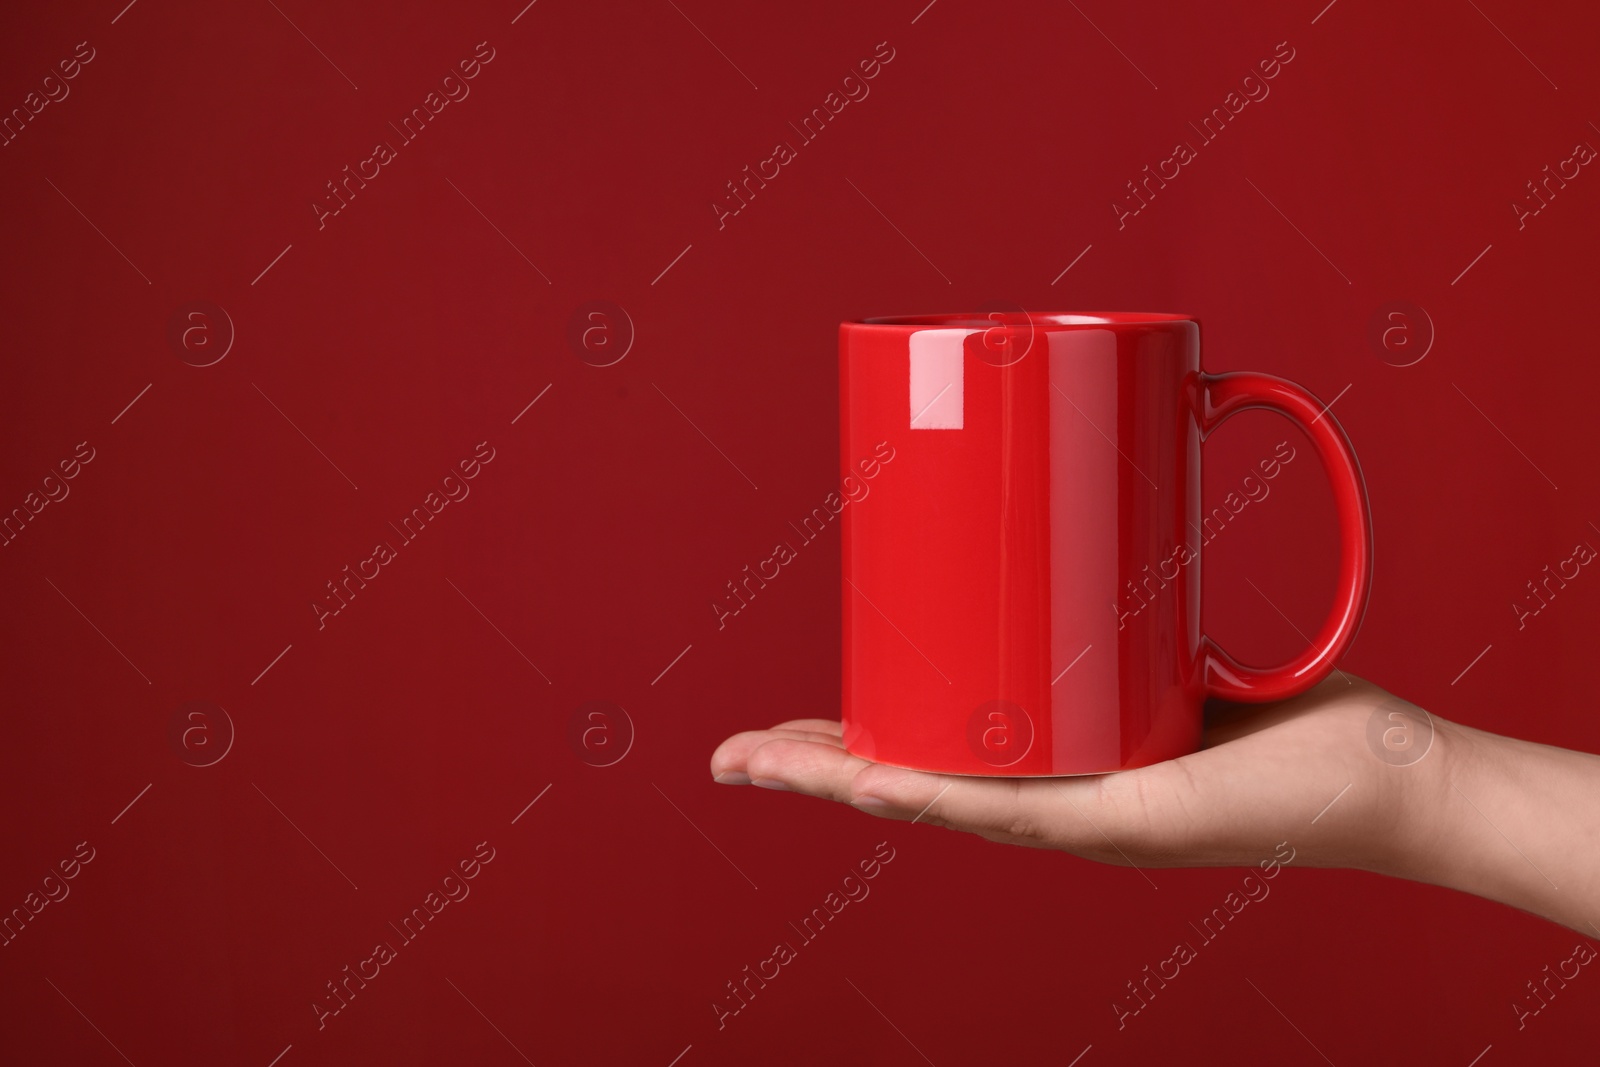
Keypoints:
pixel 1050 320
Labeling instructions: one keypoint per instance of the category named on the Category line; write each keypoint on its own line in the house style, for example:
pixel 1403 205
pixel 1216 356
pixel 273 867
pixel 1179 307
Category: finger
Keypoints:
pixel 1100 817
pixel 1016 811
pixel 728 761
pixel 819 770
pixel 1000 809
pixel 812 767
pixel 819 726
pixel 1082 815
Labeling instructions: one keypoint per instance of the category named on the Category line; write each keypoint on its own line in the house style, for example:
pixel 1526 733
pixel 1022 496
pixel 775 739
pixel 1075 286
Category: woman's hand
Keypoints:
pixel 1348 774
pixel 1263 774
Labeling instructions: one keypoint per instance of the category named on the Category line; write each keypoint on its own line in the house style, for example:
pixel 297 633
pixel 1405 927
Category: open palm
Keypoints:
pixel 1300 770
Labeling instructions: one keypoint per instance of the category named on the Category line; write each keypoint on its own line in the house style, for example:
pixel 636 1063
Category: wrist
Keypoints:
pixel 1490 815
pixel 1427 832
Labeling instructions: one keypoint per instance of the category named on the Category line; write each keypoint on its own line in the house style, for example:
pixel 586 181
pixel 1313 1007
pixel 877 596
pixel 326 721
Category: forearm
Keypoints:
pixel 1504 819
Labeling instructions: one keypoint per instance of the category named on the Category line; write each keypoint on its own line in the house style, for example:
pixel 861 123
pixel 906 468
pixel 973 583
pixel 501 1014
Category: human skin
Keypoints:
pixel 1504 819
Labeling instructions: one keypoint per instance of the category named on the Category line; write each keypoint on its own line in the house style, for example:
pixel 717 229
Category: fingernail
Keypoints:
pixel 732 778
pixel 875 805
pixel 770 783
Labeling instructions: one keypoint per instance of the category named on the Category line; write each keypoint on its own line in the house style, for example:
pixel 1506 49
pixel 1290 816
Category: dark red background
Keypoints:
pixel 408 330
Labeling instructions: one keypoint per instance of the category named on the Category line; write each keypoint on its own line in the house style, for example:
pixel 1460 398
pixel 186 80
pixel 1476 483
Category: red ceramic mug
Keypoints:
pixel 1022 586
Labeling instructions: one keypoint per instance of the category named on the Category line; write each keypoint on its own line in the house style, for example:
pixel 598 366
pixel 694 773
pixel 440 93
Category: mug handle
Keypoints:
pixel 1222 395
